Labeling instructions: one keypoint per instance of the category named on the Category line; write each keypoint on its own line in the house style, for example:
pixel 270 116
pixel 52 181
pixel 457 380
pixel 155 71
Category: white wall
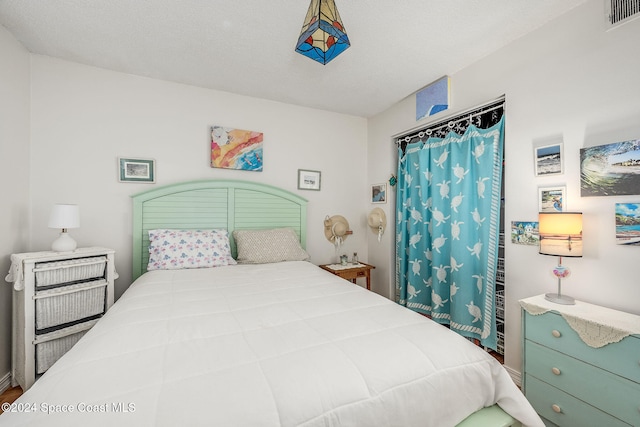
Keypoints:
pixel 14 174
pixel 84 118
pixel 569 78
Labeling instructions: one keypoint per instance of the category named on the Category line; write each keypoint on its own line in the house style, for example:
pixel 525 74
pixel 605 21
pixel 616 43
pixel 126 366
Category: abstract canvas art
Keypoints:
pixel 610 170
pixel 236 149
pixel 433 98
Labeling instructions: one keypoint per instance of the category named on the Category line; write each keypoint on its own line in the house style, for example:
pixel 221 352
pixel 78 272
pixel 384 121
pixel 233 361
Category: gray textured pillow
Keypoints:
pixel 266 246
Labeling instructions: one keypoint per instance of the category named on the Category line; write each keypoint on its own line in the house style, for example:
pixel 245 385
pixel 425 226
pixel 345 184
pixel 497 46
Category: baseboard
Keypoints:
pixel 515 376
pixel 5 382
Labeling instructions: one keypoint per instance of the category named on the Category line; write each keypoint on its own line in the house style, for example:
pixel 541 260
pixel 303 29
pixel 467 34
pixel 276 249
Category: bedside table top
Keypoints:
pixel 596 325
pixel 16 273
pixel 53 255
pixel 340 267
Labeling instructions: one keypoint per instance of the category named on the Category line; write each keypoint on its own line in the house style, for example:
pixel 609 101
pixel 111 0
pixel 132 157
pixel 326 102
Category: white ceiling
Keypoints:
pixel 247 46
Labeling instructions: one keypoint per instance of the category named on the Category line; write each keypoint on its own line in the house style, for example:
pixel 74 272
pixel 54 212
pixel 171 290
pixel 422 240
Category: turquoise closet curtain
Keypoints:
pixel 447 230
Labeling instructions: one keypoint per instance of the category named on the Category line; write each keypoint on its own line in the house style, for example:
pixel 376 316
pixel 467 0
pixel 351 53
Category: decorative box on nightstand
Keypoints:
pixel 581 363
pixel 57 298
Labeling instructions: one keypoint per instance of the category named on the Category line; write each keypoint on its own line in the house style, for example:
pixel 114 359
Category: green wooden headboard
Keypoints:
pixel 228 204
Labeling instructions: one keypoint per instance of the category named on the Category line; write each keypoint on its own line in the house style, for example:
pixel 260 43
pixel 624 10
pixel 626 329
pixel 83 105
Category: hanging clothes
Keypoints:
pixel 447 230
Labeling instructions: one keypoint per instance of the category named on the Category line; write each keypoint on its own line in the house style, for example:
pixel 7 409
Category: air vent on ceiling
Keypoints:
pixel 617 12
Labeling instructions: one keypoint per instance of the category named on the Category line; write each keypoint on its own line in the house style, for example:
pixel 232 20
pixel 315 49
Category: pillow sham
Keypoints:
pixel 179 249
pixel 267 246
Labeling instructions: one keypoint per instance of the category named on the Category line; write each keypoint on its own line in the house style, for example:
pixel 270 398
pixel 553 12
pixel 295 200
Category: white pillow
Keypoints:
pixel 179 249
pixel 267 246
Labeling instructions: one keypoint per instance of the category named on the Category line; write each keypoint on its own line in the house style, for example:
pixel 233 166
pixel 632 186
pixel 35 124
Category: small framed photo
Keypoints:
pixel 308 180
pixel 628 224
pixel 548 160
pixel 137 170
pixel 552 199
pixel 379 193
pixel 525 233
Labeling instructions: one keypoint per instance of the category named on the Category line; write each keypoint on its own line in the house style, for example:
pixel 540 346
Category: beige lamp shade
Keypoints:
pixel 560 233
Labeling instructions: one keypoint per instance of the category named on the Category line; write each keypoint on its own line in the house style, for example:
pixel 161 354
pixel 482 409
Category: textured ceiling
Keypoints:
pixel 247 46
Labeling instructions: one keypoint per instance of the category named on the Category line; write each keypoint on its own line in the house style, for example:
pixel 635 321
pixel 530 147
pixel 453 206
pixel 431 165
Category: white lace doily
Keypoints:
pixel 344 267
pixel 596 326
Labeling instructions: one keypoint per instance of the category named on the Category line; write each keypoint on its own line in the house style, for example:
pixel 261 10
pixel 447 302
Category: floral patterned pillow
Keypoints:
pixel 179 249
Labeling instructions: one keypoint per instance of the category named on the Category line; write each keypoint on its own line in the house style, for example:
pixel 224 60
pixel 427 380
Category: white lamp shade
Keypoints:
pixel 560 233
pixel 65 216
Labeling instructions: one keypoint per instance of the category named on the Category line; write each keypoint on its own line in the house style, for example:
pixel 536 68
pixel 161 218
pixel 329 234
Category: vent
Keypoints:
pixel 617 12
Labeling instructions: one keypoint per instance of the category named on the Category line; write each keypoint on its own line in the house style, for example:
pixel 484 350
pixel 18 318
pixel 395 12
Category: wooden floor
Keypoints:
pixel 9 396
pixel 497 356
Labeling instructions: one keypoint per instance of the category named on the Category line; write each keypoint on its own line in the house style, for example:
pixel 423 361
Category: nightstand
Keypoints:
pixel 351 271
pixel 581 363
pixel 57 298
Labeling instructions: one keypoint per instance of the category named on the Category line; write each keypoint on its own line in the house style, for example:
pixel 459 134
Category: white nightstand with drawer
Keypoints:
pixel 581 363
pixel 57 298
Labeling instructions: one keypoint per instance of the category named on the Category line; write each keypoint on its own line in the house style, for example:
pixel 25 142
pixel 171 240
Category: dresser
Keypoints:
pixel 57 298
pixel 581 363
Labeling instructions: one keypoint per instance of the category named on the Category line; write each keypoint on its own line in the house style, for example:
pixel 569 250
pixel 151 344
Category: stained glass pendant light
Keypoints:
pixel 323 36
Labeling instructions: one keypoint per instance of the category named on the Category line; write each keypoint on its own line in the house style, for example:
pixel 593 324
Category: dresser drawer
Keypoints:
pixel 572 412
pixel 69 303
pixel 51 347
pixel 604 390
pixel 69 271
pixel 551 330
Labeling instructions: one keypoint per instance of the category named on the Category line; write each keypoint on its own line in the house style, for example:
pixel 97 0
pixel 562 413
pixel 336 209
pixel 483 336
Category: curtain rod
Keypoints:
pixel 451 120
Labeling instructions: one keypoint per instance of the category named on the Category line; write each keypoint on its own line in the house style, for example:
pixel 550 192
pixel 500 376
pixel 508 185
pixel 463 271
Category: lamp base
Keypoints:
pixel 64 243
pixel 560 299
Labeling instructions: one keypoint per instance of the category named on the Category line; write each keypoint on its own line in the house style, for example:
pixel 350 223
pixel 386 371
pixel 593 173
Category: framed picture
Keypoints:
pixel 610 170
pixel 548 160
pixel 628 224
pixel 136 170
pixel 552 199
pixel 236 149
pixel 308 180
pixel 525 233
pixel 433 99
pixel 379 193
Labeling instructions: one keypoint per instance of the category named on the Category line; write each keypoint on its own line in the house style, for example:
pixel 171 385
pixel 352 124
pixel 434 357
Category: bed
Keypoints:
pixel 275 342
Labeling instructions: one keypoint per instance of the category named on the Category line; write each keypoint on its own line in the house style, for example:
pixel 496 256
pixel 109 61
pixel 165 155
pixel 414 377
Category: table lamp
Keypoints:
pixel 64 217
pixel 560 235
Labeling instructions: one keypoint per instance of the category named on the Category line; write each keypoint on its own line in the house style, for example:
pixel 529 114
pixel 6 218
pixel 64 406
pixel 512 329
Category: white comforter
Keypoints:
pixel 265 345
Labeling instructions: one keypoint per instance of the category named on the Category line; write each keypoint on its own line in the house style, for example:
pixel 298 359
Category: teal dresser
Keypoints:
pixel 581 364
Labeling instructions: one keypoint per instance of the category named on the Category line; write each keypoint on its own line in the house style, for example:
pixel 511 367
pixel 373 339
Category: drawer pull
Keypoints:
pixel 555 371
pixel 556 333
pixel 556 409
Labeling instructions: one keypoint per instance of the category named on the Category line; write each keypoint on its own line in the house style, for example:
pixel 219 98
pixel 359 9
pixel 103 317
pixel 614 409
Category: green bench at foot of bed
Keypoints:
pixel 493 416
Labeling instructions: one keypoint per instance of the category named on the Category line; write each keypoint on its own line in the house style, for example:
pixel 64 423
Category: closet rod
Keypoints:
pixel 452 120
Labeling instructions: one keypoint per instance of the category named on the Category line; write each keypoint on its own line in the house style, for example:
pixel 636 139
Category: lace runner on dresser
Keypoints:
pixel 344 267
pixel 594 334
pixel 596 326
